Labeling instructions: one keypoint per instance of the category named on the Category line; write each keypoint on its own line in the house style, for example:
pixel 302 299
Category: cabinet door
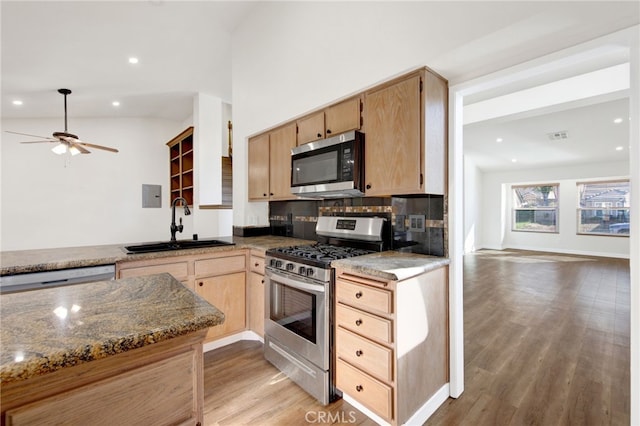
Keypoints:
pixel 281 141
pixel 258 166
pixel 343 117
pixel 227 293
pixel 311 128
pixel 256 303
pixel 392 118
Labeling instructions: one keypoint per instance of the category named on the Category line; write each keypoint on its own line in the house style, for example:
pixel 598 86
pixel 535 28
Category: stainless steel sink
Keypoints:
pixel 175 245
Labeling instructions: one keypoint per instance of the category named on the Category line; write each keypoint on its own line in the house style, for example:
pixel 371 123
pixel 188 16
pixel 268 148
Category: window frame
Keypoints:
pixel 599 206
pixel 555 209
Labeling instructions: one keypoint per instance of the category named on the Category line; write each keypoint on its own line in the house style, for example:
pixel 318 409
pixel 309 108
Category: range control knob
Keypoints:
pixel 278 263
pixel 272 263
pixel 290 266
pixel 302 270
pixel 310 272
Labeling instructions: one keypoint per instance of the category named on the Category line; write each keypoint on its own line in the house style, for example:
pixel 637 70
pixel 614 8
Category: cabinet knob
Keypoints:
pixel 358 295
pixel 368 186
pixel 358 322
pixel 359 388
pixel 256 264
pixel 200 283
pixel 319 135
pixel 271 194
pixel 328 131
pixel 264 195
pixel 262 281
pixel 358 352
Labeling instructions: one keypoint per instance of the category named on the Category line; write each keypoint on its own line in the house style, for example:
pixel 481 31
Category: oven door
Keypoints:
pixel 297 315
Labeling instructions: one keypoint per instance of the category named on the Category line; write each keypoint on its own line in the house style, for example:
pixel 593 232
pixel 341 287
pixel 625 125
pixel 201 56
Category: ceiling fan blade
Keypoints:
pixel 33 136
pixel 80 148
pixel 91 145
pixel 53 141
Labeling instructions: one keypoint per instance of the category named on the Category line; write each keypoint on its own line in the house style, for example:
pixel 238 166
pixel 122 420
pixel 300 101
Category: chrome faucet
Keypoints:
pixel 177 228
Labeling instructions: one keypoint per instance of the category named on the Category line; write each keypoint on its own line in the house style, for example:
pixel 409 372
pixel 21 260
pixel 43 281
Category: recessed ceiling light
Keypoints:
pixel 17 102
pixel 618 120
pixel 499 140
pixel 115 103
pixel 619 148
pixel 514 160
pixel 133 60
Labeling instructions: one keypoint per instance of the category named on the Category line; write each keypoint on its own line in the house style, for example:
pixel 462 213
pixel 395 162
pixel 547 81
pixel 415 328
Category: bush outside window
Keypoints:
pixel 603 208
pixel 535 208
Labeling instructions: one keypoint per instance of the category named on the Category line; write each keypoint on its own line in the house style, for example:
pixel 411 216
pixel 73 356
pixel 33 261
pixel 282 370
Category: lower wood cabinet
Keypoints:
pixel 227 293
pixel 220 278
pixel 159 384
pixel 255 293
pixel 391 341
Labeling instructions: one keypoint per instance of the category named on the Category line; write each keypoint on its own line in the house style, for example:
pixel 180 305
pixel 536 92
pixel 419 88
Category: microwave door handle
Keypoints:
pixel 315 288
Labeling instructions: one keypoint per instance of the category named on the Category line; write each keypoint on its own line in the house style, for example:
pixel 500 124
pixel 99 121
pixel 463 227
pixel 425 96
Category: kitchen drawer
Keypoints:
pixel 220 266
pixel 363 296
pixel 375 359
pixel 257 264
pixel 365 324
pixel 179 270
pixel 372 393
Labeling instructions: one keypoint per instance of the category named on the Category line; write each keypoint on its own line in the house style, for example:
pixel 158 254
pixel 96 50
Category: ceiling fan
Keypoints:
pixel 66 141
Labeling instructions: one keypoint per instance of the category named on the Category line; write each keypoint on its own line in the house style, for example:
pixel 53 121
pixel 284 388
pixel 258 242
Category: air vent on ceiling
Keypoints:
pixel 560 135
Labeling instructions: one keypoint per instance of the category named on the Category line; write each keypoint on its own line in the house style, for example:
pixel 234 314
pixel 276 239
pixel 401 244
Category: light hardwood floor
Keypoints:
pixel 546 343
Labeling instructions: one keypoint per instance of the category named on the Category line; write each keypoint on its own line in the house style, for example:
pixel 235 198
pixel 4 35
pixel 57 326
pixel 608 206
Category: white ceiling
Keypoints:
pixel 185 48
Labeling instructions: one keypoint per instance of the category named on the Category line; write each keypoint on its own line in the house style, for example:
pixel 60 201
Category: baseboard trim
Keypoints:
pixel 559 251
pixel 243 335
pixel 419 417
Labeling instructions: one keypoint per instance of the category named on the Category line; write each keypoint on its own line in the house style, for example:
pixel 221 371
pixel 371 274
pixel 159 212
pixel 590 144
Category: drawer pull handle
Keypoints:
pixel 358 322
pixel 358 352
pixel 256 265
pixel 358 295
pixel 359 388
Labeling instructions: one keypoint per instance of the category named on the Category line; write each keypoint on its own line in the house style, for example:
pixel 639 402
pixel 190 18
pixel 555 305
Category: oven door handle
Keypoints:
pixel 300 285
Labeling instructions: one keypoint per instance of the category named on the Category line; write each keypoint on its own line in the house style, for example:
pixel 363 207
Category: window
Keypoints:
pixel 603 208
pixel 535 208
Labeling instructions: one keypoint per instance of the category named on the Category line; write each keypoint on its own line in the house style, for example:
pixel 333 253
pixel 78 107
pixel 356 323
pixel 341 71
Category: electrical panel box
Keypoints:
pixel 151 196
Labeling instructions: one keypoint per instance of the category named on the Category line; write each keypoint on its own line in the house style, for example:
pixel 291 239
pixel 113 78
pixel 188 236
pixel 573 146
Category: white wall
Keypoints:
pixel 496 210
pixel 97 198
pixel 473 179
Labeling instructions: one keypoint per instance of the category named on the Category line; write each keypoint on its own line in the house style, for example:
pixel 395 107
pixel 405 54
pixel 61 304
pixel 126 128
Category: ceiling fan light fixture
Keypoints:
pixel 59 149
pixel 74 151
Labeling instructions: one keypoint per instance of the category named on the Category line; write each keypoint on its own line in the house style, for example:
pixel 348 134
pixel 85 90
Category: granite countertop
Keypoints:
pixel 391 265
pixel 25 261
pixel 65 326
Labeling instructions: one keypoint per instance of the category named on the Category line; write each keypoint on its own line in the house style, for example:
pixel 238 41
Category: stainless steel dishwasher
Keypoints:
pixel 60 277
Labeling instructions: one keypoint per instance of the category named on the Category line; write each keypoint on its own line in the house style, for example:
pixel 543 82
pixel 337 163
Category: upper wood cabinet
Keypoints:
pixel 336 119
pixel 406 128
pixel 181 166
pixel 269 164
pixel 258 166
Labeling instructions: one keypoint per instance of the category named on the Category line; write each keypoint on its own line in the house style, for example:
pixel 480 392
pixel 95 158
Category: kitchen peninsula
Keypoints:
pixel 111 352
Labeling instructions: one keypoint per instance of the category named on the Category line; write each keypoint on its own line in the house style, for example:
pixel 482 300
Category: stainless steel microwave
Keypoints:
pixel 329 168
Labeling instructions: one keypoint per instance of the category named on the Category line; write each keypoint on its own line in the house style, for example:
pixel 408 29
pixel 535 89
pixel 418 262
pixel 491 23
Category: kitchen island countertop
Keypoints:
pixel 70 325
pixel 39 260
pixel 391 265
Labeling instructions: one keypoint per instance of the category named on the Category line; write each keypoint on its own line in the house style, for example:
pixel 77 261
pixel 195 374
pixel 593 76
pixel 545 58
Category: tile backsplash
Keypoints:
pixel 427 214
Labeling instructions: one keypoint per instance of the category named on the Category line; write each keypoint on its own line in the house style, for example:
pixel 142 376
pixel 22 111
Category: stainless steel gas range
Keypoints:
pixel 299 286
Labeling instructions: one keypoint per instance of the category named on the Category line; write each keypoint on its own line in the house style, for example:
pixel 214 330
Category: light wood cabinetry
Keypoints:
pixel 219 278
pixel 391 341
pixel 258 167
pixel 159 384
pixel 181 166
pixel 406 126
pixel 269 164
pixel 255 293
pixel 227 293
pixel 331 121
